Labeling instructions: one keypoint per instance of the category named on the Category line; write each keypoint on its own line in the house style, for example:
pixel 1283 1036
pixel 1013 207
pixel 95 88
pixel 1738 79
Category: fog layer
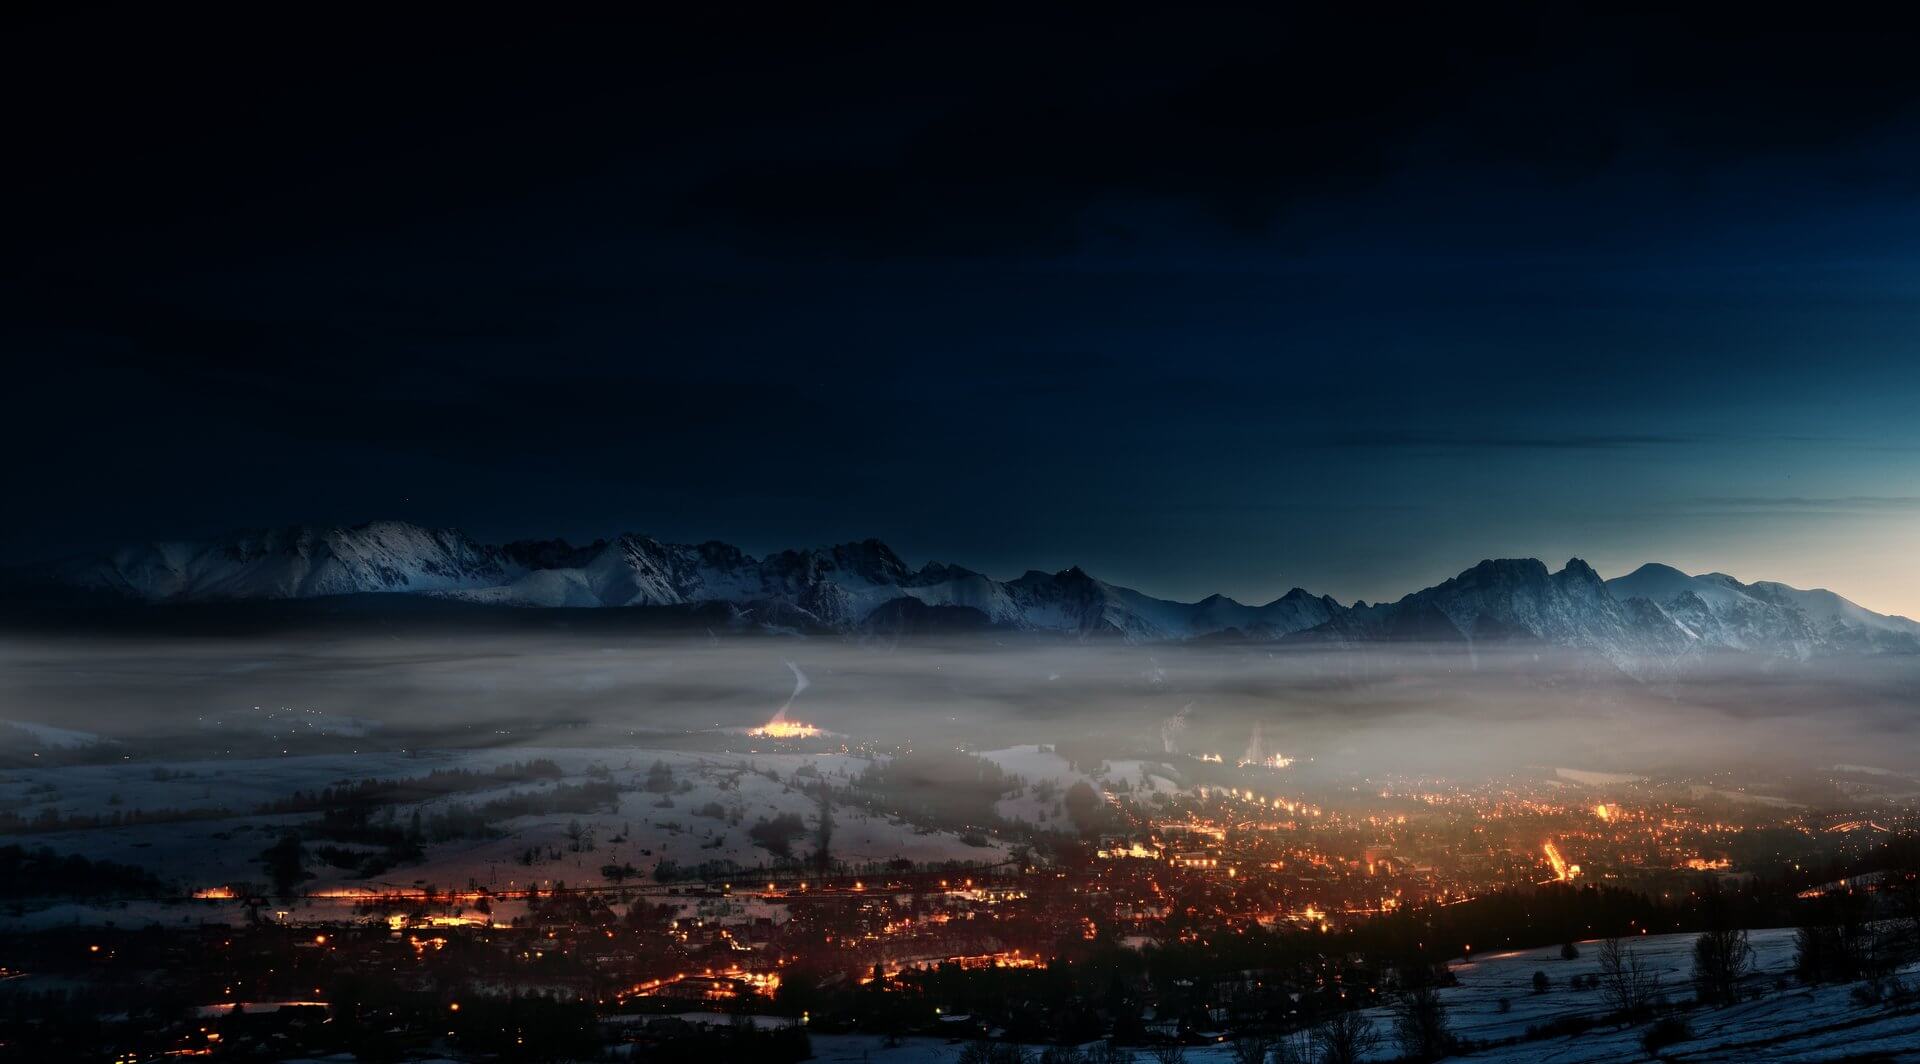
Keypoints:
pixel 1405 708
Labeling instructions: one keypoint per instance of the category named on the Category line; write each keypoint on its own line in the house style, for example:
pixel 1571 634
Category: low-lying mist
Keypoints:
pixel 1405 708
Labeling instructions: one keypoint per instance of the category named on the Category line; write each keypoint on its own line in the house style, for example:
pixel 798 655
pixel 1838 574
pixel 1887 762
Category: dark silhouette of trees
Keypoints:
pixel 1721 958
pixel 1344 1037
pixel 1252 1047
pixel 1420 1024
pixel 945 788
pixel 995 1053
pixel 823 832
pixel 285 863
pixel 1838 941
pixel 1626 983
pixel 776 836
pixel 1665 1032
pixel 619 873
pixel 1083 807
pixel 43 873
pixel 659 778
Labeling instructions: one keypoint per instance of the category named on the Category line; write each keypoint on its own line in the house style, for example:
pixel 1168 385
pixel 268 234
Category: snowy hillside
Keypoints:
pixel 707 817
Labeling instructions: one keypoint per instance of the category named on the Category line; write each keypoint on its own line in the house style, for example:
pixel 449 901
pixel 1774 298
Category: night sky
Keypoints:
pixel 1200 301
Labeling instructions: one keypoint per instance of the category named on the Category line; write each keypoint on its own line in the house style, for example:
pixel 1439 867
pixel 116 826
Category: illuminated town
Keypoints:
pixel 1304 892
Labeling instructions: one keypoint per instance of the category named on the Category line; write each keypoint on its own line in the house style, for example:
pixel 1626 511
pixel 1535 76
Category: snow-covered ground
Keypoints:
pixel 646 828
pixel 46 735
pixel 1786 1022
pixel 1040 765
pixel 1590 778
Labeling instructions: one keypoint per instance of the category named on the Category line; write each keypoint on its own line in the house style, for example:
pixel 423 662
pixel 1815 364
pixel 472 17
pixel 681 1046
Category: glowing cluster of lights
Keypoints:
pixel 785 729
pixel 711 984
pixel 1562 871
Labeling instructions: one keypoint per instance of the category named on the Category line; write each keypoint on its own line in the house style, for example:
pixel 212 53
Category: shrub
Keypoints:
pixel 1665 1032
pixel 776 836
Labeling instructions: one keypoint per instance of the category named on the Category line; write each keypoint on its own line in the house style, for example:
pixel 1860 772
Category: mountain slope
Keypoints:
pixel 299 562
pixel 1650 619
pixel 1516 599
pixel 1719 612
pixel 841 587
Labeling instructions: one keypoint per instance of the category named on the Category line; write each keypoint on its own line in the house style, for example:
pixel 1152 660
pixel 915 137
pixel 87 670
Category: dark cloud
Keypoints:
pixel 1249 117
pixel 903 135
pixel 1797 502
pixel 1568 442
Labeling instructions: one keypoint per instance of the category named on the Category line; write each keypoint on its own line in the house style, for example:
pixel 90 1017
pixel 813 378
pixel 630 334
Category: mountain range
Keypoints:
pixel 1655 614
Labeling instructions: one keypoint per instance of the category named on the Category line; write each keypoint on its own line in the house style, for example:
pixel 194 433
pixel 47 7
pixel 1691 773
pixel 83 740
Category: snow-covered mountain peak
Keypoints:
pixel 1657 613
pixel 1578 569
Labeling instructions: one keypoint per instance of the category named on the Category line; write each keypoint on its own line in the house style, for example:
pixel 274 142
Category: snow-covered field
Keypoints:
pixel 1785 1022
pixel 1037 764
pixel 646 828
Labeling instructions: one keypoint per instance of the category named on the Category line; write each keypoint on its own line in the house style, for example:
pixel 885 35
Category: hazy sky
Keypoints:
pixel 1207 302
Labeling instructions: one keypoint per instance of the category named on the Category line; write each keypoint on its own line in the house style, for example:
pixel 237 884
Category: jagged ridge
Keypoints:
pixel 1655 614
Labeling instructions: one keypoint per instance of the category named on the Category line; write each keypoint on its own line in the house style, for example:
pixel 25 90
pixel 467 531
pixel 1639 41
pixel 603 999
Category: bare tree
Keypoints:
pixel 1345 1037
pixel 1907 897
pixel 1420 1024
pixel 1721 958
pixel 995 1053
pixel 1294 1048
pixel 1251 1047
pixel 823 832
pixel 1845 939
pixel 1626 983
pixel 1169 1054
